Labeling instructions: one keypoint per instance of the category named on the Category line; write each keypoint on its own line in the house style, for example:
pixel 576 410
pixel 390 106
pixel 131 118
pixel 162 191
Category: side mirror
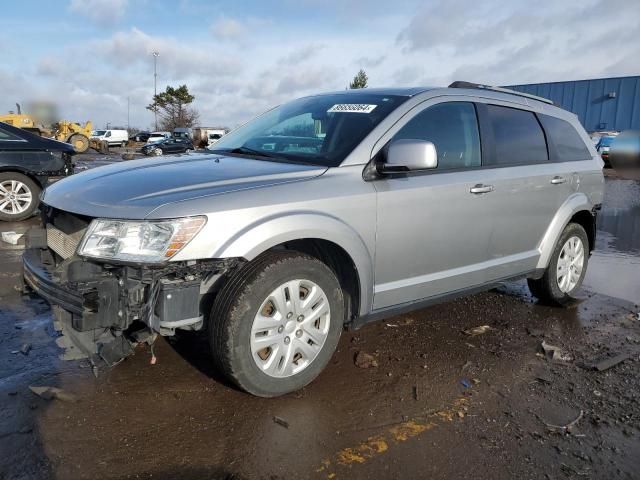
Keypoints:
pixel 409 154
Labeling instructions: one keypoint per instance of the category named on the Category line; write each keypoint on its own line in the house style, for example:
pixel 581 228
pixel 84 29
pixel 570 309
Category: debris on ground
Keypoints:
pixel 281 421
pixel 49 393
pixel 482 329
pixel 565 428
pixel 465 383
pixel 607 363
pixel 554 353
pixel 25 349
pixel 11 237
pixel 466 365
pixel 365 360
pixel 392 325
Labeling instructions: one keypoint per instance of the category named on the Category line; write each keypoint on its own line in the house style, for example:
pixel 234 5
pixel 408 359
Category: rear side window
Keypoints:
pixel 453 128
pixel 565 143
pixel 4 135
pixel 518 137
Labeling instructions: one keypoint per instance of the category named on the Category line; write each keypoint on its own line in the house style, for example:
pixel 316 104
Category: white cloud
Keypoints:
pixel 102 12
pixel 228 29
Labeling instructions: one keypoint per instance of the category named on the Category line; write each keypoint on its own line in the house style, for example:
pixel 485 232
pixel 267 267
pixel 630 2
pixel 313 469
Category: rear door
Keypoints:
pixel 528 188
pixel 171 146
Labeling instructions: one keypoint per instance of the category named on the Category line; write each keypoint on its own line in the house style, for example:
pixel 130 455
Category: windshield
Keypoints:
pixel 99 133
pixel 320 130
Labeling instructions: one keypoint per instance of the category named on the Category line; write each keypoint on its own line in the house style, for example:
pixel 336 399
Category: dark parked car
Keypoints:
pixel 170 145
pixel 141 136
pixel 27 161
pixel 604 146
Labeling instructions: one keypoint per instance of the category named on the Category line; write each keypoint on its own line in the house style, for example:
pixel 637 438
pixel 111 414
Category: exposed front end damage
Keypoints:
pixel 103 310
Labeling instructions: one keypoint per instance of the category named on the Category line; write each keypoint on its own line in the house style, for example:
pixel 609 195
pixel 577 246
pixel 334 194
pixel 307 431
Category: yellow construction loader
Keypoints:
pixel 63 131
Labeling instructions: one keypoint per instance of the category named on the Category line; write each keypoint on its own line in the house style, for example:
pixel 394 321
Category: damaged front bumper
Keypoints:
pixel 103 310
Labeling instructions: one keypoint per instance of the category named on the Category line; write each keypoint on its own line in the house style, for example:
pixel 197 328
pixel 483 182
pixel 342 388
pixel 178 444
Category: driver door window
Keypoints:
pixel 453 128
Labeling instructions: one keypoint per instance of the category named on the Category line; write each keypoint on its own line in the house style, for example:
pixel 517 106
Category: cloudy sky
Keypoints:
pixel 242 57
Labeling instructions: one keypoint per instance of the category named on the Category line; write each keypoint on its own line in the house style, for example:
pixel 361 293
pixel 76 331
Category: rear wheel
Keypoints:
pixel 79 142
pixel 19 196
pixel 567 267
pixel 276 323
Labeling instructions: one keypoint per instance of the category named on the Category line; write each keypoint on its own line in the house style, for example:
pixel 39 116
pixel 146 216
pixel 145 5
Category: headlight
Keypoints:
pixel 139 241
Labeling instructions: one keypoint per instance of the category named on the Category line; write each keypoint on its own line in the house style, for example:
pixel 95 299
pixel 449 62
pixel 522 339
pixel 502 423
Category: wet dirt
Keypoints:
pixel 439 403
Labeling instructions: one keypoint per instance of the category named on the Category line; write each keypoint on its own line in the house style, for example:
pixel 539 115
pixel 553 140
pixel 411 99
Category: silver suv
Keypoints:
pixel 329 211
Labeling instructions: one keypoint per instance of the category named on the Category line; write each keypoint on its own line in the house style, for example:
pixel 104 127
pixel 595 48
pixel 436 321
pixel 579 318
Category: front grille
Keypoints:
pixel 61 243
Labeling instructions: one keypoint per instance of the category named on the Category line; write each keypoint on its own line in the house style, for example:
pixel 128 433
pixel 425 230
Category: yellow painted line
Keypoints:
pixel 401 432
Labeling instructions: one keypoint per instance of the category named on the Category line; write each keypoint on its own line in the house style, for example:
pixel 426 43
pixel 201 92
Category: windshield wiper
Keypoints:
pixel 250 151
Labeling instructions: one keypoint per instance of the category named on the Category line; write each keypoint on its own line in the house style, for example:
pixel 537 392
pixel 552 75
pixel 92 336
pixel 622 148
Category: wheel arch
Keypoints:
pixel 340 263
pixel 38 180
pixel 577 208
pixel 321 236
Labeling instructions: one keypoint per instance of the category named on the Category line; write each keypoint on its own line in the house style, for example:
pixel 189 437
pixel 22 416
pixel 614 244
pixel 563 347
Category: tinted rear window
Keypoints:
pixel 519 139
pixel 4 135
pixel 565 144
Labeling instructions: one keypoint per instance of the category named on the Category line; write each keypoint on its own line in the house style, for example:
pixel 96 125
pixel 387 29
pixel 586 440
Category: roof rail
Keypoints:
pixel 462 84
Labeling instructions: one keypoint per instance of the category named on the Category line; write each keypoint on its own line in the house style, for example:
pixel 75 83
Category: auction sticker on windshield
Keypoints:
pixel 352 108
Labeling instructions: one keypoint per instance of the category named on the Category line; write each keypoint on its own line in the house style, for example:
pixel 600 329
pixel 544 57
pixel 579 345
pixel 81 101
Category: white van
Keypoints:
pixel 112 137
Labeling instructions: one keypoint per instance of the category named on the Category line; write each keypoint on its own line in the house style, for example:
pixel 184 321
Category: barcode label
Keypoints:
pixel 352 108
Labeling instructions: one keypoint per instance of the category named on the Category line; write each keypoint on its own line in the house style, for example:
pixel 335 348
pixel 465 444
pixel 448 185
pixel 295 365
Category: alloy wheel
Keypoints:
pixel 290 328
pixel 15 197
pixel 570 264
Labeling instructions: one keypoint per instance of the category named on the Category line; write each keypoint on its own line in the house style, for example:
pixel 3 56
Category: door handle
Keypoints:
pixel 557 180
pixel 480 188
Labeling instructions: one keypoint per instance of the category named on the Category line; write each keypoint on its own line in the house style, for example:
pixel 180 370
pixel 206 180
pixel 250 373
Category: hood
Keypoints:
pixel 133 189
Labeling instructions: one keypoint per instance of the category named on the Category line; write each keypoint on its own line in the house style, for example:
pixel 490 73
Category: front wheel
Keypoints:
pixel 567 268
pixel 276 323
pixel 157 152
pixel 19 196
pixel 79 142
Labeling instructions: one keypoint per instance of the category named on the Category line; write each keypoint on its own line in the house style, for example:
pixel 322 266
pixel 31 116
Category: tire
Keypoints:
pixel 548 288
pixel 157 152
pixel 232 331
pixel 188 150
pixel 17 183
pixel 79 142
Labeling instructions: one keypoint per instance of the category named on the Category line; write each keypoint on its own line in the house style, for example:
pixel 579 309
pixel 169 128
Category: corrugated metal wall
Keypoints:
pixel 601 104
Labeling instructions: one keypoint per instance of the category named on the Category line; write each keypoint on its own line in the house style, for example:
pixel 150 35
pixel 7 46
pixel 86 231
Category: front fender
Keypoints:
pixel 575 203
pixel 255 239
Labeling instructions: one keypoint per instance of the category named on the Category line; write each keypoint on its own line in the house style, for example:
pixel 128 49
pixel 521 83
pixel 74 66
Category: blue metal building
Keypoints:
pixel 601 103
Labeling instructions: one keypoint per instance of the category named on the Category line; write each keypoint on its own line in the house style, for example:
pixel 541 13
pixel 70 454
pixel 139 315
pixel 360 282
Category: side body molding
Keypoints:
pixel 575 203
pixel 260 236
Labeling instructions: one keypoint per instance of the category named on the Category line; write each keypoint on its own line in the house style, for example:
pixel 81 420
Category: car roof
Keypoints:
pixel 397 91
pixel 31 141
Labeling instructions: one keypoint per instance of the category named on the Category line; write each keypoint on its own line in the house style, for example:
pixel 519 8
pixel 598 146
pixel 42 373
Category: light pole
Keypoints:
pixel 155 87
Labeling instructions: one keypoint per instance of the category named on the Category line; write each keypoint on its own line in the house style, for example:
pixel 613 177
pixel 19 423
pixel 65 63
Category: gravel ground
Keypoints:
pixel 433 402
